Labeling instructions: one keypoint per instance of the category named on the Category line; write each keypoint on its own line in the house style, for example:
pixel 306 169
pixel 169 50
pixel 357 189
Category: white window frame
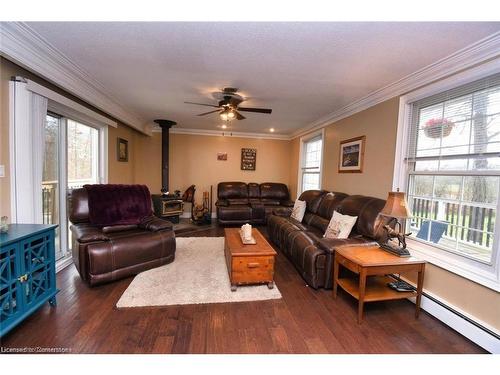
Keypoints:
pixel 304 140
pixel 486 274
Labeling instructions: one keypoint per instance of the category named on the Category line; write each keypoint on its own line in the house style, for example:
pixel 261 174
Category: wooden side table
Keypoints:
pixel 377 263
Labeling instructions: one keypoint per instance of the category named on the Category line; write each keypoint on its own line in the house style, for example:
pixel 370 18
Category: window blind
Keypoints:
pixel 455 129
pixel 312 153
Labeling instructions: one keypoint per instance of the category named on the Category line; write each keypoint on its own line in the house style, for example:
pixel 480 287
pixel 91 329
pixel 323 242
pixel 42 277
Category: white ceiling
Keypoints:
pixel 303 71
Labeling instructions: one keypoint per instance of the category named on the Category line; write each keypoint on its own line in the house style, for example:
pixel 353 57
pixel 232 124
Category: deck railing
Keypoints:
pixel 469 223
pixel 50 195
pixel 49 202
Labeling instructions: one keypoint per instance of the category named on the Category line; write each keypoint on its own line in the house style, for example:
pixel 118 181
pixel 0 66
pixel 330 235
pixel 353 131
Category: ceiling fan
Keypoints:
pixel 228 106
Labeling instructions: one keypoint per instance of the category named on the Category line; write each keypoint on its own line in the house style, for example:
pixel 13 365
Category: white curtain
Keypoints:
pixel 38 119
pixel 27 133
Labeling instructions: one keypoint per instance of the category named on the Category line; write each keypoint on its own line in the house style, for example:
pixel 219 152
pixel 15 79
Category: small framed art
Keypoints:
pixel 122 149
pixel 351 156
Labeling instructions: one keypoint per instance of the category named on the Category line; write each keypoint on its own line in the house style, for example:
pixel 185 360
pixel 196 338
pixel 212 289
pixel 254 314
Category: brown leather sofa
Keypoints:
pixel 239 203
pixel 303 242
pixel 104 254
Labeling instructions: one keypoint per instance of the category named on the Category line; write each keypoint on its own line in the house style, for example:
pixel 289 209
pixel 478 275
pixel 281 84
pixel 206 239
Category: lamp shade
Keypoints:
pixel 396 206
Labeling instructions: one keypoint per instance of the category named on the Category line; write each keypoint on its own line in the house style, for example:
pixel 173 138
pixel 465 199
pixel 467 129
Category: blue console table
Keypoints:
pixel 27 272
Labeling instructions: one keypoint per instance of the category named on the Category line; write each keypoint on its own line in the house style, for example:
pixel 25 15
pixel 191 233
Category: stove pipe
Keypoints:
pixel 165 126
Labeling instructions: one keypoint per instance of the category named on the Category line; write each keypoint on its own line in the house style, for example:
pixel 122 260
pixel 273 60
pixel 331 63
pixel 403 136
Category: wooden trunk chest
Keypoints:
pixel 248 264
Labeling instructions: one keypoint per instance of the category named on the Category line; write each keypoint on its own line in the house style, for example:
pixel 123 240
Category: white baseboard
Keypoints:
pixel 462 325
pixel 63 263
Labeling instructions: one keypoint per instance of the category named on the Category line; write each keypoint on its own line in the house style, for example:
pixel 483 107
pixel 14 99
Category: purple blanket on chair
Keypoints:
pixel 118 204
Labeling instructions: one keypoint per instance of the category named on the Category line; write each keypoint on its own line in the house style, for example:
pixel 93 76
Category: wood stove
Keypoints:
pixel 167 206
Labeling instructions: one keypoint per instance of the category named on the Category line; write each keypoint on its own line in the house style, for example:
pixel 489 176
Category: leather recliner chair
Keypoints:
pixel 239 203
pixel 303 242
pixel 104 254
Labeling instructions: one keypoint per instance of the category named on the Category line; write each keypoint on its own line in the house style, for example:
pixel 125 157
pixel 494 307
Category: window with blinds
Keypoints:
pixel 311 163
pixel 453 160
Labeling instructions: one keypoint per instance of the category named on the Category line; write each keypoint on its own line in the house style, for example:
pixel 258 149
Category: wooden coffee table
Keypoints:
pixel 375 262
pixel 248 264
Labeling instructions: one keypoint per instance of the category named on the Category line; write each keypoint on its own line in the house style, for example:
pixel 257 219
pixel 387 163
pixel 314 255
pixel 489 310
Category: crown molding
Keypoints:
pixel 23 46
pixel 477 53
pixel 222 133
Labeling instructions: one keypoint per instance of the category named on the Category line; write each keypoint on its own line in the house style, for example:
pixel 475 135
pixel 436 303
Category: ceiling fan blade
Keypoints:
pixel 206 113
pixel 258 110
pixel 207 105
pixel 239 116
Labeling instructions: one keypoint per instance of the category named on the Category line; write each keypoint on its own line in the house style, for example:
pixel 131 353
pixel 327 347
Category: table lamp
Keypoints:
pixel 396 207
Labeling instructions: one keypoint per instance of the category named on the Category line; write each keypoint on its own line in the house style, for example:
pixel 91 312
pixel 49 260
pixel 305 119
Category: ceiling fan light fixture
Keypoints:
pixel 227 114
pixel 228 105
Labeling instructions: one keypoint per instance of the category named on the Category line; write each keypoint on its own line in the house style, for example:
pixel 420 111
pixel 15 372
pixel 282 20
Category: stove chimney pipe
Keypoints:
pixel 165 126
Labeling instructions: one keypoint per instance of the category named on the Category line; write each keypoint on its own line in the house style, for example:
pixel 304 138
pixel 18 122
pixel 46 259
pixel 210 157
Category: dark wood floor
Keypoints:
pixel 304 321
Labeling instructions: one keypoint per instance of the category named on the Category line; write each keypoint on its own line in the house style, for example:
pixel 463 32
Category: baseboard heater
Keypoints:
pixel 492 345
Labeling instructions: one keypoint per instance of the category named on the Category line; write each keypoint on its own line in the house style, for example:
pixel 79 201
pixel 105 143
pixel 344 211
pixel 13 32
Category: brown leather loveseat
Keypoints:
pixel 240 203
pixel 303 242
pixel 105 253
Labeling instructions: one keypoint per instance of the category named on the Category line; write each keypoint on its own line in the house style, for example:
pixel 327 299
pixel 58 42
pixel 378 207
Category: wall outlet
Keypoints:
pixel 2 170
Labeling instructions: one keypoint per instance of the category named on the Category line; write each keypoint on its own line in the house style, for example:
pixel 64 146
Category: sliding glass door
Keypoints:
pixel 51 177
pixel 82 159
pixel 71 160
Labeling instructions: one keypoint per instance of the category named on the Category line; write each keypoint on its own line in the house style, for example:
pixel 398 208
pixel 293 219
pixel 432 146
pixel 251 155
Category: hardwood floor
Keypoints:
pixel 304 321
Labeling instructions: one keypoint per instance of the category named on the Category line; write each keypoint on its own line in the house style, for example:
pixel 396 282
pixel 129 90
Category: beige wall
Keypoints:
pixel 147 157
pixel 193 160
pixel 379 124
pixel 121 172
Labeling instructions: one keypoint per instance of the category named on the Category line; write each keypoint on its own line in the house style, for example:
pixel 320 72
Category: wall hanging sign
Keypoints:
pixel 222 156
pixel 248 159
pixel 351 156
pixel 122 149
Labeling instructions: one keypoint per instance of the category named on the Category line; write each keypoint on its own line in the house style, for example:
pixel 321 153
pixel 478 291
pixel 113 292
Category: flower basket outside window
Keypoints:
pixel 435 127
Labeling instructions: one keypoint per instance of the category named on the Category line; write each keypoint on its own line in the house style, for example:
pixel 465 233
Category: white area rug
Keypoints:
pixel 197 275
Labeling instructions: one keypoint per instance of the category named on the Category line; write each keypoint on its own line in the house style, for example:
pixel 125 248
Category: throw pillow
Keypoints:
pixel 298 211
pixel 340 226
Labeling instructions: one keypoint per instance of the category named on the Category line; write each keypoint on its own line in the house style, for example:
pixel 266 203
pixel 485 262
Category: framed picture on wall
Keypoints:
pixel 248 159
pixel 222 156
pixel 122 149
pixel 351 156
